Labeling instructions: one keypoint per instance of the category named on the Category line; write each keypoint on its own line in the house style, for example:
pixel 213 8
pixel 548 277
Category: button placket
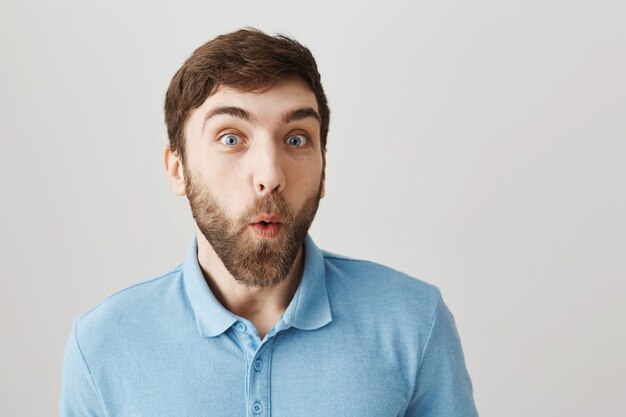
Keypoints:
pixel 258 356
pixel 258 379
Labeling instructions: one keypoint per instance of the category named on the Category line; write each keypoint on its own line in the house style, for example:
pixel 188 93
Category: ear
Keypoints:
pixel 174 168
pixel 323 193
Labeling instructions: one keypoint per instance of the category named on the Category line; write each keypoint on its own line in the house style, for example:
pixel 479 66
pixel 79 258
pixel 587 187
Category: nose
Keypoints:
pixel 268 174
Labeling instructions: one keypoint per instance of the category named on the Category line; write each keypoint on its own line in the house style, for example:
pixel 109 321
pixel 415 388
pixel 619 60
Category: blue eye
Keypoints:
pixel 230 139
pixel 297 140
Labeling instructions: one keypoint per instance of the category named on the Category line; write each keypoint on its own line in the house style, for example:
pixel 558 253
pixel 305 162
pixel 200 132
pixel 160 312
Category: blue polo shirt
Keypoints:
pixel 357 339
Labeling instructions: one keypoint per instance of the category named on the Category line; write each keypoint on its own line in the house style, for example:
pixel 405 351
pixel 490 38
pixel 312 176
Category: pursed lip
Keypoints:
pixel 267 218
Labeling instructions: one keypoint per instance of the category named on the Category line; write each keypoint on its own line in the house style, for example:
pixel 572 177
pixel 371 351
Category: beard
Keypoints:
pixel 253 262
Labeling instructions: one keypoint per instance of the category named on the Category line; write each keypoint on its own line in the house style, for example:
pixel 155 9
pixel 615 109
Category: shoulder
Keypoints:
pixel 382 288
pixel 392 311
pixel 130 306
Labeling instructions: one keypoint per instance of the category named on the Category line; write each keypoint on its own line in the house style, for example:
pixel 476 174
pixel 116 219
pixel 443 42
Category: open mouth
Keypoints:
pixel 266 229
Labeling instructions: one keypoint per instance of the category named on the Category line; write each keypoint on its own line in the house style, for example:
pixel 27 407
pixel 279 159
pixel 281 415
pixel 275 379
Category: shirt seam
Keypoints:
pixel 247 363
pixel 82 356
pixel 341 258
pixel 269 375
pixel 430 331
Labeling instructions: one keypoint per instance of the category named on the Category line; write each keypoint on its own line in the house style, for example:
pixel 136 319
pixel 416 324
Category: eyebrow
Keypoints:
pixel 233 111
pixel 238 112
pixel 300 114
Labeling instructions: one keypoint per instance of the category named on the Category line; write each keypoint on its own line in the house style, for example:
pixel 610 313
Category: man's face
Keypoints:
pixel 254 177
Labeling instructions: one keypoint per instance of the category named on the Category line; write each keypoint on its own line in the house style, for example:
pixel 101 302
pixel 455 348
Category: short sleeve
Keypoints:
pixel 443 386
pixel 79 396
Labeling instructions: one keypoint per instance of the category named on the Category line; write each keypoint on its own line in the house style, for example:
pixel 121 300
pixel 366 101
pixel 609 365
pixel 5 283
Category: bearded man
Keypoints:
pixel 258 321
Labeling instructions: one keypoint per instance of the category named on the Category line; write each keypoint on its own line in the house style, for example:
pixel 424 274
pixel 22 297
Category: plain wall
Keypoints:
pixel 479 146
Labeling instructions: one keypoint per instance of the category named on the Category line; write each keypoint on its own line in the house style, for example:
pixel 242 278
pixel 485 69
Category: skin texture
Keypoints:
pixel 250 155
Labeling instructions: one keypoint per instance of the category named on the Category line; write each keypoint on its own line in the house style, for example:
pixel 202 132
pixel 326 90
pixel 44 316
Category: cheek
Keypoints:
pixel 218 183
pixel 306 181
pixel 219 173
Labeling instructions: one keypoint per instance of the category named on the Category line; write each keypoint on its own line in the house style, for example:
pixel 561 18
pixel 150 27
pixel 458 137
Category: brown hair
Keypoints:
pixel 247 60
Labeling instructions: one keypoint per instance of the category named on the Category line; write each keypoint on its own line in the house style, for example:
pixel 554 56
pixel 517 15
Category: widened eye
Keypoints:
pixel 230 139
pixel 297 140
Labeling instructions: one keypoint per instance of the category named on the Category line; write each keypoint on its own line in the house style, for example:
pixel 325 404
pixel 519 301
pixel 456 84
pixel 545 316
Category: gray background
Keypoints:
pixel 479 146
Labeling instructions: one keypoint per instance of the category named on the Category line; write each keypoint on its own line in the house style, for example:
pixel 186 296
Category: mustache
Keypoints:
pixel 273 204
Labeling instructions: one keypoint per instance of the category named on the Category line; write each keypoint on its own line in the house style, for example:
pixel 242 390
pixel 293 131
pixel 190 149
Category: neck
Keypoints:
pixel 262 306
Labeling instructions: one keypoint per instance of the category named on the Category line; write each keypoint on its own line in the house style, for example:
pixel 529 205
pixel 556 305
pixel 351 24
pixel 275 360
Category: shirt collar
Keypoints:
pixel 212 318
pixel 309 308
